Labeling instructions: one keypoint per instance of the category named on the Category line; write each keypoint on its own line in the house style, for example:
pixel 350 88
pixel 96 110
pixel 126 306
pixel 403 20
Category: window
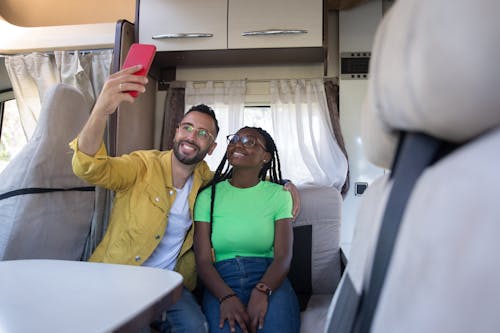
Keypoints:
pixel 258 116
pixel 253 116
pixel 294 112
pixel 12 138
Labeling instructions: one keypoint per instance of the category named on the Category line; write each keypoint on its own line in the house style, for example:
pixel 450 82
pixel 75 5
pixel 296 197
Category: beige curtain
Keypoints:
pixel 33 74
pixel 332 97
pixel 172 114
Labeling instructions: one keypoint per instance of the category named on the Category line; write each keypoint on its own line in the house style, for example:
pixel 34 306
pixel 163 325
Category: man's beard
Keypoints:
pixel 200 155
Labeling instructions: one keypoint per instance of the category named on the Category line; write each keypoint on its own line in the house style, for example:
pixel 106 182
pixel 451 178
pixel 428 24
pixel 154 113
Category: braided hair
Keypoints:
pixel 225 171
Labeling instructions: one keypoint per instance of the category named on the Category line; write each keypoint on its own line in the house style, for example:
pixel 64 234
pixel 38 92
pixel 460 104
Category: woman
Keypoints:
pixel 247 222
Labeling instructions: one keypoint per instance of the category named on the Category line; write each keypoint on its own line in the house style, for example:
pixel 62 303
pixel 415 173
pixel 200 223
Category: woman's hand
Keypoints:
pixel 257 309
pixel 290 187
pixel 233 311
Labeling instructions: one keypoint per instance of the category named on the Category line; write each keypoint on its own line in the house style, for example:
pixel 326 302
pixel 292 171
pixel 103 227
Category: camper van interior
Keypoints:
pixel 385 113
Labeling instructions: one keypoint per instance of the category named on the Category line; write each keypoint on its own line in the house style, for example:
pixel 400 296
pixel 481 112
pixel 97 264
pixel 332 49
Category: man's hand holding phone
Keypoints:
pixel 139 54
pixel 122 86
pixel 126 84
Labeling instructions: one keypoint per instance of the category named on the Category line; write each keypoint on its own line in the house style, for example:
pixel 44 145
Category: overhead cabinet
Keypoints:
pixel 183 25
pixel 275 23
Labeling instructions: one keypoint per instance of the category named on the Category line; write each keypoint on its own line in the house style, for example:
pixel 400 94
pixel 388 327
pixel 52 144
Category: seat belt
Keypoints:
pixel 415 153
pixel 355 312
pixel 36 190
pixel 344 313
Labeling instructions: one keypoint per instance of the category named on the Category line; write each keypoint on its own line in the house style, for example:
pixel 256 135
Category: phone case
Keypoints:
pixel 139 54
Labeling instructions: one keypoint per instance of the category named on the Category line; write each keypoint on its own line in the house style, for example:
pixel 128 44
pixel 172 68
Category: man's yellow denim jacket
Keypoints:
pixel 144 194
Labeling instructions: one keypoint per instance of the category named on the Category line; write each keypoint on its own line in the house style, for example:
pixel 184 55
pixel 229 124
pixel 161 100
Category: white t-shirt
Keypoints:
pixel 179 222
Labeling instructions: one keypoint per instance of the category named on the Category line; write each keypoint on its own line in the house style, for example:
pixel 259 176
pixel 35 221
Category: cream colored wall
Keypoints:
pixel 356 33
pixel 17 39
pixel 48 25
pixel 37 13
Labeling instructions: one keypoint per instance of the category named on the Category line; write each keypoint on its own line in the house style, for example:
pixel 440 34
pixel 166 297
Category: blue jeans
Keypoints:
pixel 184 316
pixel 242 274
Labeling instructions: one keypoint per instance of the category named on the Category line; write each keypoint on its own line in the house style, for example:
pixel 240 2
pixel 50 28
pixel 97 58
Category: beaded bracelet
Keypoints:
pixel 223 298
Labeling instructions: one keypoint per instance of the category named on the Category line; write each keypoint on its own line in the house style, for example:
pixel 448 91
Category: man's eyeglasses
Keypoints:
pixel 201 133
pixel 246 140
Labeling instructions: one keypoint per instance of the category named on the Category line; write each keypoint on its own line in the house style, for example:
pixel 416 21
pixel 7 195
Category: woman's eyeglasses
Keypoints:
pixel 201 133
pixel 246 140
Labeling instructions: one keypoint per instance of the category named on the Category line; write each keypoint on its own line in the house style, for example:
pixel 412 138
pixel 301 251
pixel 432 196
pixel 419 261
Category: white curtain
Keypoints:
pixel 227 99
pixel 33 74
pixel 303 133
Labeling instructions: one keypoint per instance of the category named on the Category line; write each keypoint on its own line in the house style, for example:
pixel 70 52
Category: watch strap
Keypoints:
pixel 264 288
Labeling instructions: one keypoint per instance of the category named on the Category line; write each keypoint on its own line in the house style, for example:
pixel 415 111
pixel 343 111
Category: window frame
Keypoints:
pixel 2 107
pixel 5 96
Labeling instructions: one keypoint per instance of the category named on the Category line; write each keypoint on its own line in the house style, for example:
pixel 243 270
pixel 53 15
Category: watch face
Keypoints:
pixel 263 288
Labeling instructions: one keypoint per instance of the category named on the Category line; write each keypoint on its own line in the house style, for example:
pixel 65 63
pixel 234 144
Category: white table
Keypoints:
pixel 72 296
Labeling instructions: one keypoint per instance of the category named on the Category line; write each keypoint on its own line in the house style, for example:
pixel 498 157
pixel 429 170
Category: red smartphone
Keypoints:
pixel 139 54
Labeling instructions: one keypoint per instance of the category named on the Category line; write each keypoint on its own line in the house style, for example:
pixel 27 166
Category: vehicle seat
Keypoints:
pixel 315 269
pixel 431 73
pixel 47 220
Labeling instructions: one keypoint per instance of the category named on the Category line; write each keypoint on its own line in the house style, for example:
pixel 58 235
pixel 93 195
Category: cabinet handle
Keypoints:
pixel 182 35
pixel 269 32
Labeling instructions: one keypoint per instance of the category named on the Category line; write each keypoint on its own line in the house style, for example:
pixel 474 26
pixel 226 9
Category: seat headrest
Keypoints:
pixel 64 111
pixel 432 71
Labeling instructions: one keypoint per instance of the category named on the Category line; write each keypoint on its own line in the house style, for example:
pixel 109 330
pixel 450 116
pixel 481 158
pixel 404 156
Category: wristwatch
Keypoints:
pixel 263 288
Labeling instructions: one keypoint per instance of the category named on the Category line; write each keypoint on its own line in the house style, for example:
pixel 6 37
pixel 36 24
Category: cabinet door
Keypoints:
pixel 175 25
pixel 258 23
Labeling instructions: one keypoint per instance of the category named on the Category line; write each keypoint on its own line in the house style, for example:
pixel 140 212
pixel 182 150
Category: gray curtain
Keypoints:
pixel 35 73
pixel 332 97
pixel 173 113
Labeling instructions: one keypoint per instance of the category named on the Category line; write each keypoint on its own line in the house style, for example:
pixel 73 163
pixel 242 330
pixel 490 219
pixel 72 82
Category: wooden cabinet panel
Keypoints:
pixel 172 25
pixel 300 23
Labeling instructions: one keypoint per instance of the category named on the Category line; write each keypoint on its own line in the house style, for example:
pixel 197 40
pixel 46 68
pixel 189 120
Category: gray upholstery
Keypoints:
pixel 319 218
pixel 47 225
pixel 445 272
pixel 430 74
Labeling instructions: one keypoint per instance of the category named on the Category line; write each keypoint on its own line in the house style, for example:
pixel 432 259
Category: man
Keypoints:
pixel 155 193
pixel 151 220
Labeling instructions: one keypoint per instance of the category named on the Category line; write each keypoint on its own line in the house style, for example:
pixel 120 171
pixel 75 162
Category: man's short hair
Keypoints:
pixel 202 108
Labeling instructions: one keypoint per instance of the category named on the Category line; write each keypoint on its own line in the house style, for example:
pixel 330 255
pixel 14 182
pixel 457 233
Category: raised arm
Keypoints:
pixel 112 95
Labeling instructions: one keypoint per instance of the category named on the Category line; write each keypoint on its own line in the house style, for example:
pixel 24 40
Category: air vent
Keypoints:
pixel 354 65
